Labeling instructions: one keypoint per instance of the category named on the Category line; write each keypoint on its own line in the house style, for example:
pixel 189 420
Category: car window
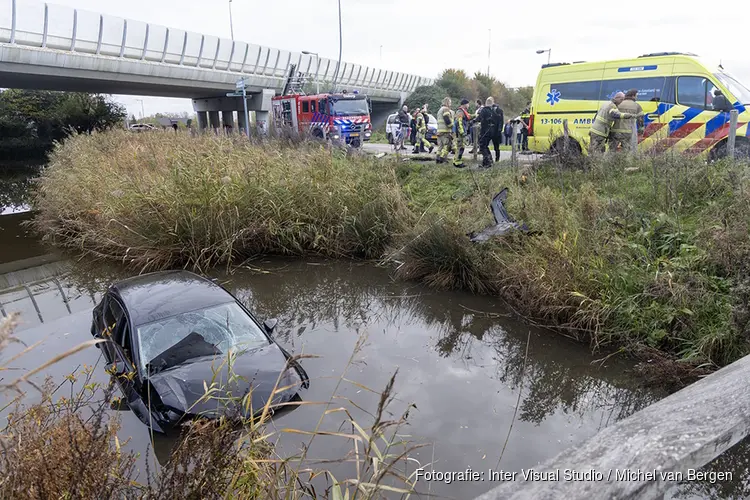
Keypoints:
pixel 312 106
pixel 695 91
pixel 322 106
pixel 305 106
pixel 205 332
pixel 575 91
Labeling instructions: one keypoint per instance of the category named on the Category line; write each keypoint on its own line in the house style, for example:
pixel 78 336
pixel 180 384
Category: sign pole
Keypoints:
pixel 241 83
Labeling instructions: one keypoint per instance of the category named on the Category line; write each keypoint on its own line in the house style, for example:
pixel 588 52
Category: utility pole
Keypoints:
pixel 381 55
pixel 143 113
pixel 341 46
pixel 489 52
pixel 231 23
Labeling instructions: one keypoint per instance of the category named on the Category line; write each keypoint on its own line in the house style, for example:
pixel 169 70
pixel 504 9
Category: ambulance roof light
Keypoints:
pixel 657 54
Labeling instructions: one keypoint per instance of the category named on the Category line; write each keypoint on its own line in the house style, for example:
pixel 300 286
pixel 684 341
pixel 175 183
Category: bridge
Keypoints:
pixel 50 47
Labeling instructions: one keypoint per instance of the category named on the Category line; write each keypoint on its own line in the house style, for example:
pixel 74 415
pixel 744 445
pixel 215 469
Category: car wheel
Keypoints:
pixel 318 134
pixel 741 150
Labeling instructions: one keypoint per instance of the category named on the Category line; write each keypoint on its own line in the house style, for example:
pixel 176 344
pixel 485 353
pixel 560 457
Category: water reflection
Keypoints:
pixel 15 191
pixel 460 360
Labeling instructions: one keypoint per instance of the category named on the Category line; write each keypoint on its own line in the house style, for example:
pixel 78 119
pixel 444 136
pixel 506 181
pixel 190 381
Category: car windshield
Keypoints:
pixel 350 107
pixel 212 331
pixel 739 91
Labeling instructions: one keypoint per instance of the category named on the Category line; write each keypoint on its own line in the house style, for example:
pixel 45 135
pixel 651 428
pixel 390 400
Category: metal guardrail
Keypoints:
pixel 27 23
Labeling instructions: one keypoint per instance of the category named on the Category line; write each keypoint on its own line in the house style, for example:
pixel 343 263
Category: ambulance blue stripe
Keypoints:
pixel 660 110
pixel 716 123
pixel 689 113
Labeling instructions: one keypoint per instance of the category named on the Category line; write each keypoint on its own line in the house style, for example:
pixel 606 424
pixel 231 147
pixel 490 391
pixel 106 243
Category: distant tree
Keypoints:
pixel 457 83
pixel 432 95
pixel 31 121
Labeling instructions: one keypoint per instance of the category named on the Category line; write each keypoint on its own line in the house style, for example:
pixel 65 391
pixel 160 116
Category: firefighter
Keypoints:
pixel 461 129
pixel 444 130
pixel 622 128
pixel 421 127
pixel 603 122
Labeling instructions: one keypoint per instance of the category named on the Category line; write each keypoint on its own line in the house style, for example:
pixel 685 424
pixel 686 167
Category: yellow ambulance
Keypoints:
pixel 678 93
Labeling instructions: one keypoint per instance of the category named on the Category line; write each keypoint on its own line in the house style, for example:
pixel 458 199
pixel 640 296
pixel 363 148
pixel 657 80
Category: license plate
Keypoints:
pixel 353 135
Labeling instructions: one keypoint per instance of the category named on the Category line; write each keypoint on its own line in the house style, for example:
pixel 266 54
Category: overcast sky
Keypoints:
pixel 422 37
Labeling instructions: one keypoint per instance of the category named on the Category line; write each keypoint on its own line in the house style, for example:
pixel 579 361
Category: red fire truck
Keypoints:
pixel 341 116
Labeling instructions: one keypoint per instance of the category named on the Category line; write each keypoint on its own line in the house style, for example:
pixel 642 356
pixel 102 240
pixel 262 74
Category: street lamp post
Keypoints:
pixel 549 53
pixel 341 46
pixel 143 113
pixel 317 69
pixel 381 55
pixel 231 23
pixel 489 52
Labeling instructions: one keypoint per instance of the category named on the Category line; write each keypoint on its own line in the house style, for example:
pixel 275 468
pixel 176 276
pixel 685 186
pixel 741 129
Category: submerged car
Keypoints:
pixel 171 334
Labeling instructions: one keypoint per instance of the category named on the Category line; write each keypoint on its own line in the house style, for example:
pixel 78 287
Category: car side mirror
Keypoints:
pixel 118 368
pixel 270 325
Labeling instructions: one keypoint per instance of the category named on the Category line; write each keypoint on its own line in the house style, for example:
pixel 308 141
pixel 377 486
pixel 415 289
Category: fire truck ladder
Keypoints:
pixel 295 82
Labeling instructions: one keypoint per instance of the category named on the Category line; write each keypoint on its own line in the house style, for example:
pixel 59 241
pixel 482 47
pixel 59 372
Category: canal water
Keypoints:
pixel 479 383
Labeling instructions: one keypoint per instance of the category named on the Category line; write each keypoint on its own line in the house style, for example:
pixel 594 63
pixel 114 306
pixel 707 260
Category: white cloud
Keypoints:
pixel 425 37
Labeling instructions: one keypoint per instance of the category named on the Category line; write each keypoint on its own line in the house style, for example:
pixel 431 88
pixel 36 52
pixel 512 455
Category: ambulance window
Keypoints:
pixel 305 107
pixel 322 106
pixel 577 91
pixel 312 106
pixel 693 91
pixel 649 89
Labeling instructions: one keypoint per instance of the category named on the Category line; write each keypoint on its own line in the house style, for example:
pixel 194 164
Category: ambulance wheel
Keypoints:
pixel 741 150
pixel 573 149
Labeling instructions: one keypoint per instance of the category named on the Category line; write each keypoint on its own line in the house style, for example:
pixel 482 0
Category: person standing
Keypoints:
pixel 421 126
pixel 444 130
pixel 487 119
pixel 623 128
pixel 497 129
pixel 463 120
pixel 603 121
pixel 508 132
pixel 403 120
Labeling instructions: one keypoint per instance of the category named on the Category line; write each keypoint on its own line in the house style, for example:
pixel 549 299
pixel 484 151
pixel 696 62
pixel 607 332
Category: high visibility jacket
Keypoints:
pixel 445 114
pixel 463 118
pixel 604 119
pixel 625 125
pixel 421 127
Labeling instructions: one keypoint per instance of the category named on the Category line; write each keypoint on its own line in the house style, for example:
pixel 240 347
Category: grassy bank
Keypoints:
pixel 650 253
pixel 160 200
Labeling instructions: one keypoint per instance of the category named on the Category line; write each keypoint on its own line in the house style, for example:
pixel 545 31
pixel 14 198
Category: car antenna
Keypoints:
pixel 720 64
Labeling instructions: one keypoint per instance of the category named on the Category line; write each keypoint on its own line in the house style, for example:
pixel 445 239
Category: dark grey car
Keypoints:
pixel 171 332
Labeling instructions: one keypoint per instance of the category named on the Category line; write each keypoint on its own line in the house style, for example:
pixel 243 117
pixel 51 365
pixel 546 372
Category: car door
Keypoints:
pixel 701 126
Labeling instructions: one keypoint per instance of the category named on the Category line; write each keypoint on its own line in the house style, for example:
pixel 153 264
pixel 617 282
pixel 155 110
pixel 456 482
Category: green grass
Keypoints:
pixel 654 257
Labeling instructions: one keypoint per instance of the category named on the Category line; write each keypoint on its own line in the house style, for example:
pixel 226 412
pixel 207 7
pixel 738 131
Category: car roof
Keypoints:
pixel 154 296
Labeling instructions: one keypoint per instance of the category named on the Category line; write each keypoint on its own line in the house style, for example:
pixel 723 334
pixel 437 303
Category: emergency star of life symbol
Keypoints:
pixel 553 97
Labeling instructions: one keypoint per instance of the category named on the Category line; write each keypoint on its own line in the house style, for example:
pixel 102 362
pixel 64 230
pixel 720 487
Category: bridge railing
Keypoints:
pixel 49 26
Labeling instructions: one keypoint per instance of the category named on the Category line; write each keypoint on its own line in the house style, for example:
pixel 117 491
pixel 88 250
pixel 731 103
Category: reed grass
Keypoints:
pixel 164 200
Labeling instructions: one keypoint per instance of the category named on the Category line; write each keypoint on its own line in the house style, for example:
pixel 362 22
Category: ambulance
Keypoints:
pixel 677 92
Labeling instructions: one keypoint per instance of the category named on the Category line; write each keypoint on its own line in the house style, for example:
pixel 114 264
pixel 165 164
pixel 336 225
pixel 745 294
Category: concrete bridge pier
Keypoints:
pixel 241 121
pixel 202 120
pixel 213 118
pixel 227 118
pixel 259 102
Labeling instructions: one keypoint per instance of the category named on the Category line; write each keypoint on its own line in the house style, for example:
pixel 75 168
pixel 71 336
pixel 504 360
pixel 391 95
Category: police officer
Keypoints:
pixel 603 122
pixel 622 128
pixel 444 130
pixel 421 127
pixel 487 118
pixel 463 120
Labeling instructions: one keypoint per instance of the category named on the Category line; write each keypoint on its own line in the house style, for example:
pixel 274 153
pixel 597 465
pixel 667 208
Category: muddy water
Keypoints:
pixel 480 380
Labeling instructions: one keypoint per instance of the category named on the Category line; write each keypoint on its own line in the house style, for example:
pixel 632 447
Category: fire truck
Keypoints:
pixel 343 116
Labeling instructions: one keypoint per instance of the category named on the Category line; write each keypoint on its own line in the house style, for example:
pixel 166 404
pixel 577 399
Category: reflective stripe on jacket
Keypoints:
pixel 625 125
pixel 604 119
pixel 442 127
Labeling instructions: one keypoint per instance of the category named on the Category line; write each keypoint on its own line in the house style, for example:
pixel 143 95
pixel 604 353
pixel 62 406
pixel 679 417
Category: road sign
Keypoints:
pixel 235 94
pixel 240 84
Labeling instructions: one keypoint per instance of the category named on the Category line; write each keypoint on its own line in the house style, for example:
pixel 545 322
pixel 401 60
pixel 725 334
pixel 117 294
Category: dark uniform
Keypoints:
pixel 463 119
pixel 487 119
